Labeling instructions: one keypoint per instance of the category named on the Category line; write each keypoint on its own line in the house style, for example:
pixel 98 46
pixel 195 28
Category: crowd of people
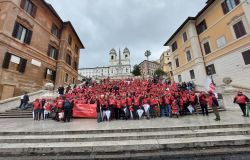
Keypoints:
pixel 132 99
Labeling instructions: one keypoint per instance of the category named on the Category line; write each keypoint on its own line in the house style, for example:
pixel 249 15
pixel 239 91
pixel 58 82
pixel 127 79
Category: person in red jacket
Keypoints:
pixel 213 103
pixel 153 104
pixel 203 103
pixel 241 100
pixel 36 109
pixel 113 107
pixel 136 105
pixel 167 103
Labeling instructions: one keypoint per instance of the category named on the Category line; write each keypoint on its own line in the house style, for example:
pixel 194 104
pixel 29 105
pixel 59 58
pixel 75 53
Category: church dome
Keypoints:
pixel 126 50
pixel 112 51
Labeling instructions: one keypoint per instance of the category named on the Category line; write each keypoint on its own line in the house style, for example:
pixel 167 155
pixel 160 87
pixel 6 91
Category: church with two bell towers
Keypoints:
pixel 119 66
pixel 119 63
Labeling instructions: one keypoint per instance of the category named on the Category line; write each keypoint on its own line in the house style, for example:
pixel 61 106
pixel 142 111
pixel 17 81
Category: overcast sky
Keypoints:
pixel 139 25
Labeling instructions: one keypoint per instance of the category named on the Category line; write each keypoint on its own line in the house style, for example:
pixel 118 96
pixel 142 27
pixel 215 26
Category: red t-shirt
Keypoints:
pixel 36 105
pixel 137 101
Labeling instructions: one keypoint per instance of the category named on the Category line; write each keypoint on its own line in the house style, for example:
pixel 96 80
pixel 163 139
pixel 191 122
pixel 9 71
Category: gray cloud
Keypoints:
pixel 137 24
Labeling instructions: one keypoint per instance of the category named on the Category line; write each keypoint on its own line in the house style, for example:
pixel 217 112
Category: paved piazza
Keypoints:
pixel 24 125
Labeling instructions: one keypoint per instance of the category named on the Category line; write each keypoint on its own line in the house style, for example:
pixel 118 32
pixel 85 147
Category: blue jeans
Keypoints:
pixel 24 106
pixel 169 110
pixel 163 110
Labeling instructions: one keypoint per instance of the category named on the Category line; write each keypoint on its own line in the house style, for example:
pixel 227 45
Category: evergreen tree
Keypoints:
pixel 136 71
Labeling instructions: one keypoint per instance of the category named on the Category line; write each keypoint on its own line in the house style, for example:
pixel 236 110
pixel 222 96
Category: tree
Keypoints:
pixel 136 71
pixel 159 72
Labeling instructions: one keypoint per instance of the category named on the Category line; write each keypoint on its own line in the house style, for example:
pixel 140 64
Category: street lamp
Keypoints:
pixel 147 54
pixel 210 71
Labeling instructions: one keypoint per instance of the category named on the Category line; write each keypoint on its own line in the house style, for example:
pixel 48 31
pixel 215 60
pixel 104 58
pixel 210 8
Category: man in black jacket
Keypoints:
pixel 61 90
pixel 67 107
pixel 98 111
pixel 25 101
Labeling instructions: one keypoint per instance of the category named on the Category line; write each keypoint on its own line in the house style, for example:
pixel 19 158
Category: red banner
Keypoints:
pixel 84 111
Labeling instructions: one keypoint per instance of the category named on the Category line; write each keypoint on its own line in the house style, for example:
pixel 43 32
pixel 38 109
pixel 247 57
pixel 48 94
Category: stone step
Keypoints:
pixel 128 130
pixel 208 153
pixel 7 112
pixel 124 136
pixel 16 113
pixel 17 116
pixel 122 147
pixel 17 109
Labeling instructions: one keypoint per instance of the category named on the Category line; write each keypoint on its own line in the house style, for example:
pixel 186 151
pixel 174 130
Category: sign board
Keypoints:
pixel 36 63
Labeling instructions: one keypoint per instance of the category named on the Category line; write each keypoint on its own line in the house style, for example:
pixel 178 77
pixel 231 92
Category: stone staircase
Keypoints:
pixel 16 113
pixel 209 142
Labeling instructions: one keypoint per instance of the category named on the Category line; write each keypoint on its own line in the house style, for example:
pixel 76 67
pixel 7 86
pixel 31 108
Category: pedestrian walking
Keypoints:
pixel 67 110
pixel 25 101
pixel 203 103
pixel 213 103
pixel 241 100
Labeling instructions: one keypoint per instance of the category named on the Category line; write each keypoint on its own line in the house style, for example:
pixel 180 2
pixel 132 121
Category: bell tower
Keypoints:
pixel 126 56
pixel 113 57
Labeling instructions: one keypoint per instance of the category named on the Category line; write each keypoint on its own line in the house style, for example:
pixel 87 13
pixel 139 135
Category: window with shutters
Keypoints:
pixel 206 47
pixel 6 60
pixel 179 78
pixel 53 76
pixel 21 33
pixel 184 36
pixel 29 7
pixel 201 27
pixel 50 74
pixel 14 62
pixel 210 69
pixel 53 52
pixel 174 46
pixel 246 57
pixel 188 56
pixel 55 30
pixel 68 59
pixel 177 64
pixel 47 73
pixel 228 5
pixel 192 75
pixel 239 29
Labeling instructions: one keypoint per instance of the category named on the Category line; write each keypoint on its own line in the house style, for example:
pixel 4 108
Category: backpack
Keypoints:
pixel 215 102
pixel 67 104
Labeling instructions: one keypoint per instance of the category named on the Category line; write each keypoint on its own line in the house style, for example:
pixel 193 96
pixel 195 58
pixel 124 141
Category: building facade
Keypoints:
pixel 36 47
pixel 148 68
pixel 119 67
pixel 164 61
pixel 215 43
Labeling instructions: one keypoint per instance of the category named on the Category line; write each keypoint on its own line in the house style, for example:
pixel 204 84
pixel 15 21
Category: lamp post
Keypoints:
pixel 147 54
pixel 211 75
